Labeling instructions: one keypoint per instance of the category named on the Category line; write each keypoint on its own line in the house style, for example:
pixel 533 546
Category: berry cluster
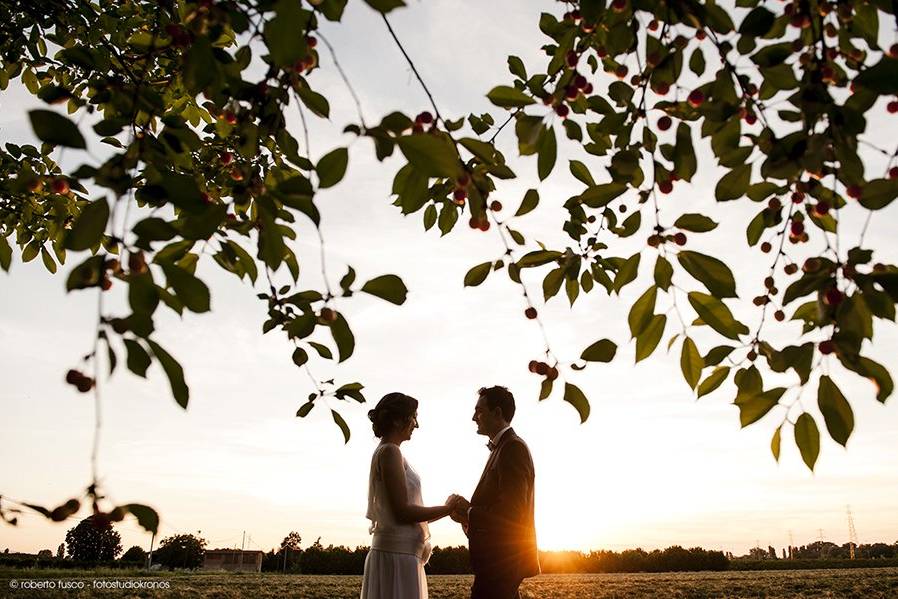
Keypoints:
pixel 79 381
pixel 543 369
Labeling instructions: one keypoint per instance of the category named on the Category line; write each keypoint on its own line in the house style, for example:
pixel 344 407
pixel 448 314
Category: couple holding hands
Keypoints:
pixel 498 519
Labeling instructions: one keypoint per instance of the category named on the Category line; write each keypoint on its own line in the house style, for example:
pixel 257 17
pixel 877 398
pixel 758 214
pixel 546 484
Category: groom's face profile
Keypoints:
pixel 489 421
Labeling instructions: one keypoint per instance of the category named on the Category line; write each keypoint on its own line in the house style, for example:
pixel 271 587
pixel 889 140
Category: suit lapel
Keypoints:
pixel 505 438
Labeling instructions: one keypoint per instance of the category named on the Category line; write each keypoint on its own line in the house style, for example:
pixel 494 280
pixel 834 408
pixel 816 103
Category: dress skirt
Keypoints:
pixel 391 575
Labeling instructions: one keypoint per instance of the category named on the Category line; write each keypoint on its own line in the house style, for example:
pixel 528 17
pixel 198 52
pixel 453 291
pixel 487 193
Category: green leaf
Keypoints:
pixel 878 375
pixel 48 261
pixel 314 101
pixel 574 396
pixel 505 96
pixel 53 128
pixel 734 184
pixel 434 156
pixel 713 381
pixel 387 287
pixel 642 311
pixel 343 337
pixel 283 33
pixel 323 350
pixel 581 172
pixel 332 167
pixel 304 410
pixel 716 315
pixel 807 437
pixel 602 350
pixel 478 274
pixel 663 273
pixel 754 406
pixel 146 516
pixel 548 152
pixel 710 272
pixel 598 196
pixel 648 339
pixel 538 258
pixel 881 78
pixel 87 274
pixel 684 160
pixel 627 272
pixel 545 389
pixel 384 6
pixel 516 67
pixel 697 62
pixel 5 254
pixel 89 226
pixel 775 443
pixel 300 356
pixel 189 289
pixel 531 200
pixel 174 372
pixel 836 411
pixel 757 23
pixel 879 193
pixel 717 354
pixel 698 223
pixel 138 359
pixel 691 363
pixel 342 424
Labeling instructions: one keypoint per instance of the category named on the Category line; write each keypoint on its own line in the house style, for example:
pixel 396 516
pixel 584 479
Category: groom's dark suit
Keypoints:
pixel 501 531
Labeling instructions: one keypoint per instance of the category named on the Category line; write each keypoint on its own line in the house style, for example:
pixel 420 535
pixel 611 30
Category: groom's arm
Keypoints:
pixel 515 472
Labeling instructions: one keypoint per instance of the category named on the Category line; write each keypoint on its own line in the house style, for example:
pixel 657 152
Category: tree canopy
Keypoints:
pixel 189 101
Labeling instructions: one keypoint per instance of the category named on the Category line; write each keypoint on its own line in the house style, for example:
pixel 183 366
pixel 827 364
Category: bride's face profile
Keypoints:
pixel 410 427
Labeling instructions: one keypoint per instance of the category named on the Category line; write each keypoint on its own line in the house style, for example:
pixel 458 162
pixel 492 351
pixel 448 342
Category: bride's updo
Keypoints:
pixel 394 410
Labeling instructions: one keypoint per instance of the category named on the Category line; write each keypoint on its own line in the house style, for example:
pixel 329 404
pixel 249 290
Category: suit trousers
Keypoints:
pixel 486 587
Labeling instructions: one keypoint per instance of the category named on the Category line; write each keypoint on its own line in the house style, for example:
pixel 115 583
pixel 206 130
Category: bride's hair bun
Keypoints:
pixel 394 410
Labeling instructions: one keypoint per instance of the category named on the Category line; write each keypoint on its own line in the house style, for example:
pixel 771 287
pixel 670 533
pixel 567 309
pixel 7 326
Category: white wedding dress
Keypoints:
pixel 394 567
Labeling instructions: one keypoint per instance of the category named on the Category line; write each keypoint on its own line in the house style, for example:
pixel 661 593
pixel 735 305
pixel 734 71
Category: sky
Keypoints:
pixel 652 467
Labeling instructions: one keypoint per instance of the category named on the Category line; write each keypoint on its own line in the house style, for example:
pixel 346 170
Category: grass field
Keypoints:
pixel 871 583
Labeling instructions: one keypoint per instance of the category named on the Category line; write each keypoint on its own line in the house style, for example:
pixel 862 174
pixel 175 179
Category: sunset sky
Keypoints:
pixel 652 467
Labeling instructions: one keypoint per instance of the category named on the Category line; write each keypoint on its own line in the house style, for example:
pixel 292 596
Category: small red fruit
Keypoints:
pixel 821 209
pixel 653 25
pixel 766 247
pixel 84 384
pixel 572 58
pixel 562 110
pixel 664 123
pixel 580 82
pixel 654 240
pixel 621 71
pixel 533 366
pixel 790 269
pixel 797 197
pixel 892 107
pixel 459 195
pixel 311 42
pixel 665 187
pixel 552 373
pixel 425 118
pixel 797 228
pixel 474 223
pixel 853 191
pixel 530 312
pixel 833 297
pixel 229 117
pixel 587 89
pixel 73 376
pixel 680 238
pixel 826 347
pixel 696 98
pixel 60 186
pixel 619 5
pixel 236 174
pixel 495 205
pixel 542 368
pixel 662 88
pixel 226 158
pixel 484 225
pixel 779 315
pixel 328 315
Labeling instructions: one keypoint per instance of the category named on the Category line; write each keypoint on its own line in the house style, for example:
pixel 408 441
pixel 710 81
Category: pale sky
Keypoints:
pixel 652 467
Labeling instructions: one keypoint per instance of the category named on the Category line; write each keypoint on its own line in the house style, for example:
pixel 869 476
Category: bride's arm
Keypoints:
pixel 394 481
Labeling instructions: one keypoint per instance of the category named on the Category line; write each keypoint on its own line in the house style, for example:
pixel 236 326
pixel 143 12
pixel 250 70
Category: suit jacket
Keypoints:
pixel 501 529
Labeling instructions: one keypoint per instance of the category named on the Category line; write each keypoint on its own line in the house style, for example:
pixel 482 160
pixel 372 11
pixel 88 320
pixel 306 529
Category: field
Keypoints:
pixel 871 583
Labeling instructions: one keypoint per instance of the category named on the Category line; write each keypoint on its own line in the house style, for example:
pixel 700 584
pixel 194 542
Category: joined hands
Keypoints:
pixel 459 508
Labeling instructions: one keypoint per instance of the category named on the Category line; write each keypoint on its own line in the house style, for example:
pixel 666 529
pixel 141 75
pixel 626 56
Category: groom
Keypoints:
pixel 499 518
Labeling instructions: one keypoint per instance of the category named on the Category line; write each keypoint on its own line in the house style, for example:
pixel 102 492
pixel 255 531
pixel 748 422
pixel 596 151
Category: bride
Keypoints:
pixel 400 546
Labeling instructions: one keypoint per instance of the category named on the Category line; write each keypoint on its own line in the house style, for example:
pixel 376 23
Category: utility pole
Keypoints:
pixel 150 556
pixel 852 534
pixel 243 540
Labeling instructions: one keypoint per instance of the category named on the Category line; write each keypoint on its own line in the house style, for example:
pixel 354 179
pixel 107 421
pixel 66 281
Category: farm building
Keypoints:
pixel 234 560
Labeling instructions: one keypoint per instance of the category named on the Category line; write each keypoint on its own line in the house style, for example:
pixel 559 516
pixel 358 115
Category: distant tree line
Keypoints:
pixel 89 547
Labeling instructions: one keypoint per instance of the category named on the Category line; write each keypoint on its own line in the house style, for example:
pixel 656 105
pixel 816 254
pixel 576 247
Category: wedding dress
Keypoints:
pixel 394 567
